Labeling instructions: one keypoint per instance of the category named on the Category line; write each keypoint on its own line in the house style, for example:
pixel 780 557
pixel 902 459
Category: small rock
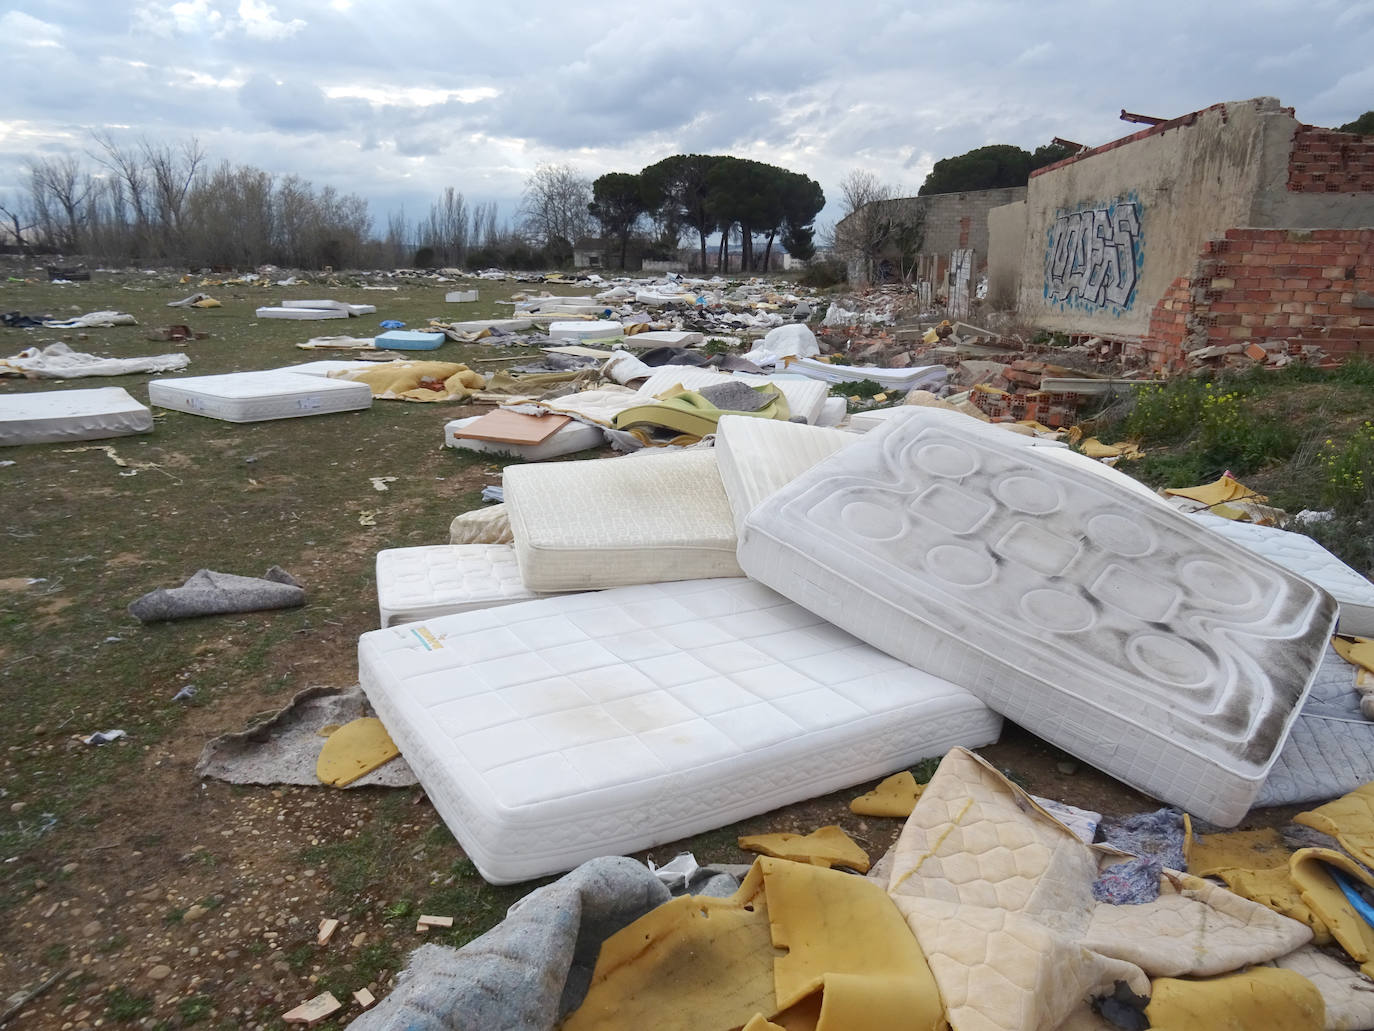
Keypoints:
pixel 1066 768
pixel 91 929
pixel 359 938
pixel 160 972
pixel 70 868
pixel 18 807
pixel 196 912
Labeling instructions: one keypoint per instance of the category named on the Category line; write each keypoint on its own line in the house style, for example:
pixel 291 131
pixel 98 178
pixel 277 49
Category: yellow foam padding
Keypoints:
pixel 797 948
pixel 1358 651
pixel 1262 997
pixel 693 963
pixel 1350 820
pixel 401 380
pixel 1217 493
pixel 206 302
pixel 355 749
pixel 1255 865
pixel 830 846
pixel 1309 870
pixel 1094 448
pixel 688 412
pixel 896 796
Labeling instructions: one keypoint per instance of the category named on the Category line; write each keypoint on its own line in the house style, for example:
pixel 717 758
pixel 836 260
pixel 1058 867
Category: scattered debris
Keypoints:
pixel 364 998
pixel 209 593
pixel 327 928
pixel 314 1011
pixel 104 737
pixel 379 483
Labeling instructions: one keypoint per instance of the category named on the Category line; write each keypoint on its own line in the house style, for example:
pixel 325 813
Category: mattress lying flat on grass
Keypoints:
pixel 259 396
pixel 52 416
pixel 1131 637
pixel 439 579
pixel 554 731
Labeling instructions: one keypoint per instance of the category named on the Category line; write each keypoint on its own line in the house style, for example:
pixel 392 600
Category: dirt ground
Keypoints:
pixel 141 895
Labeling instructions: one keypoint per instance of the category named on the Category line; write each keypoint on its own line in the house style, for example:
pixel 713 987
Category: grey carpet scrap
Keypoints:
pixel 735 396
pixel 208 593
pixel 529 971
pixel 284 748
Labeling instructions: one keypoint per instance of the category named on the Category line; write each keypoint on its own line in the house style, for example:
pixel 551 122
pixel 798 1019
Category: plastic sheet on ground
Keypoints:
pixel 58 361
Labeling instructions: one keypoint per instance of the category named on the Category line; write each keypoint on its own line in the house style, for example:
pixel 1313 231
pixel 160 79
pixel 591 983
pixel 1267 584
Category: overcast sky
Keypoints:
pixel 396 100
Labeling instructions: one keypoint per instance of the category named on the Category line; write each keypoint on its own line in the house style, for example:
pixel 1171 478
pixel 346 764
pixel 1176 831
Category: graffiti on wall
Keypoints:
pixel 1094 257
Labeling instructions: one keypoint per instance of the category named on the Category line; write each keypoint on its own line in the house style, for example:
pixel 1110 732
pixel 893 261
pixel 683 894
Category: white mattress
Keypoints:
pixel 923 377
pixel 1136 640
pixel 613 522
pixel 667 338
pixel 590 330
pixel 425 582
pixel 327 367
pixel 301 314
pixel 568 439
pixel 49 416
pixel 1304 556
pixel 344 306
pixel 833 411
pixel 758 457
pixel 559 730
pixel 805 397
pixel 259 396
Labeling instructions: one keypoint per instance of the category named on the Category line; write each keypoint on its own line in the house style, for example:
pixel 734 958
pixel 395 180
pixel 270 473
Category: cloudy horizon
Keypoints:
pixel 395 104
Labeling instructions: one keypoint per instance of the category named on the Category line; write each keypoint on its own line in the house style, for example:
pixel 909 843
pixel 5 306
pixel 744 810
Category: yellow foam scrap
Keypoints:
pixel 1358 651
pixel 1350 820
pixel 845 934
pixel 1255 865
pixel 692 963
pixel 206 302
pixel 761 1023
pixel 828 847
pixel 401 380
pixel 1094 448
pixel 895 796
pixel 354 750
pixel 1217 493
pixel 1262 997
pixel 1309 870
pixel 328 729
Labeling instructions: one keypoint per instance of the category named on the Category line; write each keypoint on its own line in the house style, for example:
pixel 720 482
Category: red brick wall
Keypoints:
pixel 1327 161
pixel 1298 287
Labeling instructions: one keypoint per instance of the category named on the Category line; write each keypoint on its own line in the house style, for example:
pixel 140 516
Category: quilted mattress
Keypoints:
pixel 805 397
pixel 1138 641
pixel 758 457
pixel 421 583
pixel 558 730
pixel 569 439
pixel 259 396
pixel 613 522
pixel 50 416
pixel 1304 556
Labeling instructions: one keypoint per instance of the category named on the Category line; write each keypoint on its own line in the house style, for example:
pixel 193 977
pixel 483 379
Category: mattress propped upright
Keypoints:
pixel 1122 632
pixel 554 731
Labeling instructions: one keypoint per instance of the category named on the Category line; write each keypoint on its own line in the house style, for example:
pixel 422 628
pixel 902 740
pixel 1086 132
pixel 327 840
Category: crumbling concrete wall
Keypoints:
pixel 955 221
pixel 1006 243
pixel 1109 230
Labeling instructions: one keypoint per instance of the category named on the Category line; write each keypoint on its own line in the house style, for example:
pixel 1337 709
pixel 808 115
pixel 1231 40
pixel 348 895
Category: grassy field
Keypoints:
pixel 164 901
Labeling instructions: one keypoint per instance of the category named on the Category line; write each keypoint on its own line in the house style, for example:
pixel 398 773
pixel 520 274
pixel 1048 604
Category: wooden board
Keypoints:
pixel 508 427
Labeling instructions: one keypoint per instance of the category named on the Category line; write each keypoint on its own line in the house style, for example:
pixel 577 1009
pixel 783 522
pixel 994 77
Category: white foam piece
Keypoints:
pixel 302 314
pixel 554 731
pixel 259 396
pixel 460 296
pixel 477 325
pixel 54 416
pixel 922 377
pixel 1132 638
pixel 1302 555
pixel 568 439
pixel 437 580
pixel 667 338
pixel 614 522
pixel 805 397
pixel 344 306
pixel 833 411
pixel 600 329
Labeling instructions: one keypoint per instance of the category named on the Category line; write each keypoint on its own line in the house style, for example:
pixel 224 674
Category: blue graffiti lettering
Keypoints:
pixel 1093 255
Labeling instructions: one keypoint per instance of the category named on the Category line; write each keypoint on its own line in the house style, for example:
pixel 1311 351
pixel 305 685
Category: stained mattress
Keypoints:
pixel 554 731
pixel 1304 556
pixel 436 580
pixel 805 397
pixel 259 396
pixel 1140 642
pixel 614 522
pixel 51 416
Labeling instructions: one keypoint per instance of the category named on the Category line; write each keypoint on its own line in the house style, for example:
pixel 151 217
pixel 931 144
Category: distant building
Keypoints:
pixel 589 252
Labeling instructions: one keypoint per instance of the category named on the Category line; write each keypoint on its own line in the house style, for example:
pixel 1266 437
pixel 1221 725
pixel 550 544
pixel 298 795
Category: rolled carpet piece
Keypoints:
pixel 209 593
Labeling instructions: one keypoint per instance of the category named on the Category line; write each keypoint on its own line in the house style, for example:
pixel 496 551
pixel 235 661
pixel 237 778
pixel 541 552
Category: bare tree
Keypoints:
pixel 20 221
pixel 553 210
pixel 59 187
pixel 126 165
pixel 171 171
pixel 868 222
pixel 446 232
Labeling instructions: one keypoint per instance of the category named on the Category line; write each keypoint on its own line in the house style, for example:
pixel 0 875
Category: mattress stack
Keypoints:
pixel 720 631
